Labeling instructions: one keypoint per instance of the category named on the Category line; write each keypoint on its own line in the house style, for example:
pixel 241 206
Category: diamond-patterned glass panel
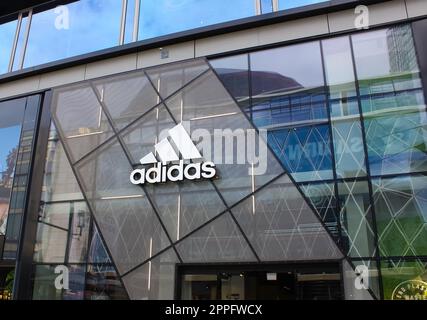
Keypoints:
pixel 141 136
pixel 396 134
pixel 219 241
pixel 184 207
pixel 169 78
pixel 227 137
pixel 281 226
pixel 401 212
pixel 304 151
pixel 126 97
pixel 155 280
pixel 356 218
pixel 322 198
pixel 126 219
pixel 348 148
pixel 81 120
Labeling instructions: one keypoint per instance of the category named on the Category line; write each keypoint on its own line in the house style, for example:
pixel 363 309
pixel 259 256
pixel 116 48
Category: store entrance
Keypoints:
pixel 260 282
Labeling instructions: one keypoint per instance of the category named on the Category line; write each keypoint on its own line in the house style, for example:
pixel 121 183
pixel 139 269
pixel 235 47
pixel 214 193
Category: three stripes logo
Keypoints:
pixel 166 152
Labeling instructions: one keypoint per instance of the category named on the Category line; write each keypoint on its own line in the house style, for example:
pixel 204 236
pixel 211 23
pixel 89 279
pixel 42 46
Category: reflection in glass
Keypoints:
pixel 396 132
pixel 44 283
pixel 339 68
pixel 289 4
pixel 155 280
pixel 11 118
pixel 401 213
pixel 59 182
pixel 102 283
pixel 163 17
pixel 356 218
pixel 7 35
pixel 92 25
pixel 282 227
pixel 291 69
pixel 234 74
pixel 22 172
pixel 404 280
pixel 386 60
pixel 63 232
pixel 350 276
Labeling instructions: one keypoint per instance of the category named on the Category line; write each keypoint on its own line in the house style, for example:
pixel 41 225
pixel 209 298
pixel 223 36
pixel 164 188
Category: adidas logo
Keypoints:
pixel 161 171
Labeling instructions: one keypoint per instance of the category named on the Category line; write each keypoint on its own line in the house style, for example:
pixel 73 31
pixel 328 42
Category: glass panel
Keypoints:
pixel 356 218
pixel 348 144
pixel 78 239
pixel 266 6
pixel 141 137
pixel 97 251
pixel 289 4
pixel 386 60
pixel 234 74
pixel 102 283
pixel 155 280
pixel 401 212
pixel 219 241
pixel 322 198
pixel 168 79
pixel 181 207
pixel 86 26
pixel 79 116
pixel 168 16
pixel 44 283
pixel 396 132
pixel 339 67
pixel 199 287
pixel 59 182
pixel 130 14
pixel 404 280
pixel 124 215
pixel 127 97
pixel 292 107
pixel 11 117
pixel 291 69
pixel 360 283
pixel 21 176
pixel 7 35
pixel 226 137
pixel 281 227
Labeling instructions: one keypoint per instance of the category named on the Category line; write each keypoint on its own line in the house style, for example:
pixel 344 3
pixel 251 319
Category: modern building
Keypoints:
pixel 182 149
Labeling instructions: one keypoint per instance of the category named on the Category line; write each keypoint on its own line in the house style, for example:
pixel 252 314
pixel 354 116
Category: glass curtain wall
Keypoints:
pixel 67 236
pixel 346 117
pixel 90 25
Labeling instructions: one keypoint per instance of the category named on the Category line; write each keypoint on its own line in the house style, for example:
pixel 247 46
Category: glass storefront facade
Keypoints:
pixel 340 194
pixel 38 36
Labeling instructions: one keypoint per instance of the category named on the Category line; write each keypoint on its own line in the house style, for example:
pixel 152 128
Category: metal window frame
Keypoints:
pixel 23 49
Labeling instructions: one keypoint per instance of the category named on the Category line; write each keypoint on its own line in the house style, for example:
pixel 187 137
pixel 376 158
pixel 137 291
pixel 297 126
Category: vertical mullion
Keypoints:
pixel 257 4
pixel 15 42
pixel 123 22
pixel 275 5
pixel 136 20
pixel 368 172
pixel 332 148
pixel 27 33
